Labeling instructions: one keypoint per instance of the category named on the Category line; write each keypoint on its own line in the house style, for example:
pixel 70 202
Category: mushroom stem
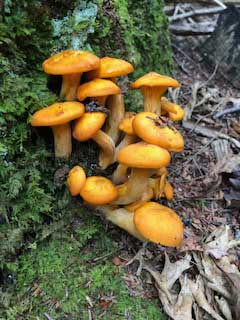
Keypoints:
pixel 69 87
pixel 120 174
pixel 134 187
pixel 147 196
pixel 122 218
pixel 117 110
pixel 152 98
pixel 107 146
pixel 127 140
pixel 62 140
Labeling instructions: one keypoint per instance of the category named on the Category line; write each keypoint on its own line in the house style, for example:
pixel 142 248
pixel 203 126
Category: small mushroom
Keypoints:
pixel 58 117
pixel 70 64
pixel 153 86
pixel 110 68
pixel 149 222
pixel 88 127
pixel 142 158
pixel 98 190
pixel 98 90
pixel 120 174
pixel 76 180
pixel 159 224
pixel 156 130
pixel 174 111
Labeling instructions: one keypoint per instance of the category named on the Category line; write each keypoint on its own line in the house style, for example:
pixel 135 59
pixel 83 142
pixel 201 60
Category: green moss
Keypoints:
pixel 61 277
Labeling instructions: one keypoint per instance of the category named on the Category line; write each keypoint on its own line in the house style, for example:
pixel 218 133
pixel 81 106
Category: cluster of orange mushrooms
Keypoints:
pixel 140 143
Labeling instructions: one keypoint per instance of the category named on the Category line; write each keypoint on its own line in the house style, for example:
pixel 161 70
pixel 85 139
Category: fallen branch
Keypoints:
pixel 227 111
pixel 209 133
pixel 197 12
pixel 192 29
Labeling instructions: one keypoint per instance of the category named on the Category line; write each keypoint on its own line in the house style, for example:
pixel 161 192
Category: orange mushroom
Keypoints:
pixel 110 68
pixel 142 158
pixel 120 174
pixel 159 224
pixel 153 86
pixel 58 117
pixel 153 129
pixel 88 127
pixel 151 221
pixel 98 190
pixel 76 180
pixel 174 111
pixel 70 64
pixel 98 90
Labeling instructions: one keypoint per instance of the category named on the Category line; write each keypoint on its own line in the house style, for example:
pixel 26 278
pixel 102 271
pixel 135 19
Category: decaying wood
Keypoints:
pixel 196 13
pixel 192 29
pixel 210 133
pixel 226 111
pixel 222 46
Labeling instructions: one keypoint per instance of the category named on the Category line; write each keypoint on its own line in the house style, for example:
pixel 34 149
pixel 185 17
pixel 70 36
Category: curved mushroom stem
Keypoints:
pixel 152 98
pixel 120 174
pixel 122 218
pixel 62 140
pixel 147 196
pixel 135 186
pixel 117 110
pixel 69 87
pixel 107 146
pixel 128 139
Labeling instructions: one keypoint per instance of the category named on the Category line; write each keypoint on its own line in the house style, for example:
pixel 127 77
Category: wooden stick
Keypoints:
pixel 220 3
pixel 190 30
pixel 210 133
pixel 196 13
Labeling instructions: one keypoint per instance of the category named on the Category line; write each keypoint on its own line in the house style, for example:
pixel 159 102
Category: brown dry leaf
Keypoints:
pixel 232 278
pixel 198 290
pixel 178 307
pixel 212 274
pixel 224 307
pixel 218 243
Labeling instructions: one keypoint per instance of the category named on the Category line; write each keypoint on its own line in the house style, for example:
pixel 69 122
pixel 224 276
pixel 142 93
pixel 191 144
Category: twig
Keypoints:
pixel 220 3
pixel 210 133
pixel 224 112
pixel 196 13
pixel 47 316
pixel 192 29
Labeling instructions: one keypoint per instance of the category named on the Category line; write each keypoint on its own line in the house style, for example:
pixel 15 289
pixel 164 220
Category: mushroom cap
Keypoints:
pixel 126 125
pixel 88 125
pixel 143 155
pixel 97 88
pixel 70 62
pixel 111 68
pixel 76 180
pixel 98 190
pixel 153 79
pixel 57 114
pixel 159 224
pixel 149 130
pixel 178 113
